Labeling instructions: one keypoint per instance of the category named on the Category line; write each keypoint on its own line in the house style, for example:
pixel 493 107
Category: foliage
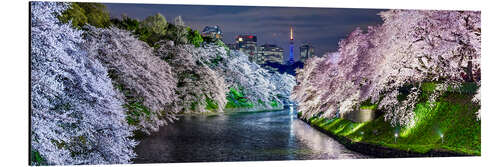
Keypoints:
pixel 221 44
pixel 155 28
pixel 156 24
pixel 236 99
pixel 36 159
pixel 194 37
pixel 136 110
pixel 274 103
pixel 76 115
pixel 146 81
pixel 178 32
pixel 137 28
pixel 211 105
pixel 152 29
pixel 126 23
pixel 387 64
pixel 368 107
pixel 81 13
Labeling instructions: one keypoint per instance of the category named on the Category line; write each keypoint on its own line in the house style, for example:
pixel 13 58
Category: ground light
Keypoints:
pixel 395 137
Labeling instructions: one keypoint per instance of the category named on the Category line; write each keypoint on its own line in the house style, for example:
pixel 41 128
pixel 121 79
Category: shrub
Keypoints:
pixel 274 103
pixel 237 99
pixel 211 104
pixel 194 37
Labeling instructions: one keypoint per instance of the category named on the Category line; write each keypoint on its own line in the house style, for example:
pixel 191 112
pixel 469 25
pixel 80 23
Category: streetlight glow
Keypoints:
pixel 395 137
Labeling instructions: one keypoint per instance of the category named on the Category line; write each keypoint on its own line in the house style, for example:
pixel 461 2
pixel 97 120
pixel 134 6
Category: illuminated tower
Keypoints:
pixel 290 60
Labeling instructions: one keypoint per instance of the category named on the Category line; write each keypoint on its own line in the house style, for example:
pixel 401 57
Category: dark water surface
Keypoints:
pixel 256 136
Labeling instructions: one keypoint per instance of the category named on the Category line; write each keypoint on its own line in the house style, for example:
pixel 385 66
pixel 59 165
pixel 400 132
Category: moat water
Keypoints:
pixel 243 136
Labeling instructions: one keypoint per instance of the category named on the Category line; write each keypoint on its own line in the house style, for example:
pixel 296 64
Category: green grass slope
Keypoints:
pixel 453 116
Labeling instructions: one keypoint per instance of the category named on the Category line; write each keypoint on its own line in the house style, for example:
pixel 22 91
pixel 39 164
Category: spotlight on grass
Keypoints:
pixel 395 137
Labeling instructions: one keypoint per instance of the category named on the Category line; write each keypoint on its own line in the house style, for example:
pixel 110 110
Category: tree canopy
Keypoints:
pixel 80 13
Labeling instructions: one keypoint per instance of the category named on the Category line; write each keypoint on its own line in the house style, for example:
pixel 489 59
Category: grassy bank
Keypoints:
pixel 237 101
pixel 452 116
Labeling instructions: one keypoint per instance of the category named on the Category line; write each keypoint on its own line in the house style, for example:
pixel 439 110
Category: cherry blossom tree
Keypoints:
pixel 147 82
pixel 283 84
pixel 409 48
pixel 209 72
pixel 260 85
pixel 199 88
pixel 88 94
pixel 76 115
pixel 317 73
pixel 439 46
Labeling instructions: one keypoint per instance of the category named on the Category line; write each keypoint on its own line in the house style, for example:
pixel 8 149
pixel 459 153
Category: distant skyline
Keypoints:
pixel 322 27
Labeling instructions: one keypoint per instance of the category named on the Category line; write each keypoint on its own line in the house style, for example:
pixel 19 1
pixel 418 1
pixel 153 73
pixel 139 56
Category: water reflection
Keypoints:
pixel 321 143
pixel 239 137
pixel 291 138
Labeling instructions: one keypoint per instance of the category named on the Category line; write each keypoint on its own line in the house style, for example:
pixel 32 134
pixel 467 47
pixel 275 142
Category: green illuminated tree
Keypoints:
pixel 194 37
pixel 80 14
pixel 157 24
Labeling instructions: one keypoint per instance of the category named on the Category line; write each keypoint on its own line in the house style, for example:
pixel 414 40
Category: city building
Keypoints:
pixel 212 31
pixel 306 51
pixel 260 59
pixel 291 60
pixel 270 53
pixel 248 45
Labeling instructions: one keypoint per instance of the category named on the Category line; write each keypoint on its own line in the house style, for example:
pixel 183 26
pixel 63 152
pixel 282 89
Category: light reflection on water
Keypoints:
pixel 291 138
pixel 318 142
pixel 321 143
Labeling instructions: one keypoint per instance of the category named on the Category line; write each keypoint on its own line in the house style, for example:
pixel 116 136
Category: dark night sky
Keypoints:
pixel 322 27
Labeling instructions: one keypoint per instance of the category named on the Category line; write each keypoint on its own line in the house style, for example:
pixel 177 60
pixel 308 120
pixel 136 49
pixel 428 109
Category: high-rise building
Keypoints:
pixel 290 60
pixel 212 31
pixel 270 53
pixel 306 51
pixel 248 45
pixel 260 59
